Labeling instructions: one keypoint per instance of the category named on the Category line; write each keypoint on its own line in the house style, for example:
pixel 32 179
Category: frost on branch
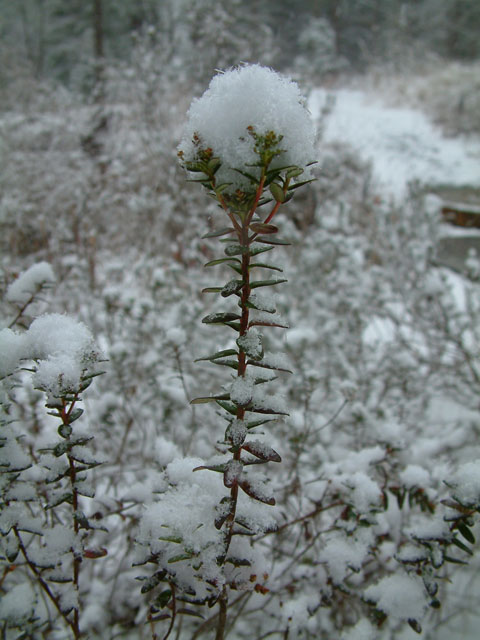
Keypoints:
pixel 248 96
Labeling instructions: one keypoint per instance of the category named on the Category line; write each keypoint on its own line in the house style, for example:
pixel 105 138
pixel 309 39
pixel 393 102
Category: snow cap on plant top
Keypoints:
pixel 238 100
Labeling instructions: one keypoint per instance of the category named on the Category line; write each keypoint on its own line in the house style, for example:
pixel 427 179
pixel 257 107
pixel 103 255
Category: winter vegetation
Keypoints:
pixel 238 388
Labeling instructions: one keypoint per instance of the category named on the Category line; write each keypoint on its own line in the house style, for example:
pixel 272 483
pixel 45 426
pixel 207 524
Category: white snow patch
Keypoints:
pixel 466 483
pixel 402 144
pixel 363 630
pixel 12 350
pixel 342 553
pixel 415 476
pixel 399 596
pixel 29 283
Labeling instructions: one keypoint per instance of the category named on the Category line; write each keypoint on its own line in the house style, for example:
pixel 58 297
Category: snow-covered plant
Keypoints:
pixel 44 530
pixel 248 141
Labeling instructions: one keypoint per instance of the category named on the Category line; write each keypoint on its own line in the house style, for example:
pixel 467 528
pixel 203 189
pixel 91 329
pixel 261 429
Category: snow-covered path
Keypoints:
pixel 402 144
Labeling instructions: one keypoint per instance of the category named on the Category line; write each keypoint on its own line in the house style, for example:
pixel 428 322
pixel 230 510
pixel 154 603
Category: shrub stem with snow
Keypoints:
pixel 248 142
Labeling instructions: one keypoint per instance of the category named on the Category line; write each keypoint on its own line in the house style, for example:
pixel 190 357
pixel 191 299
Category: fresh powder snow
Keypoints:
pixel 399 596
pixel 249 96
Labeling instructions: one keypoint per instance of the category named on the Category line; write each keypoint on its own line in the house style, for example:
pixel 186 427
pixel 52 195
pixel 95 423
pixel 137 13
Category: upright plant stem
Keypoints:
pixel 245 241
pixel 222 615
pixel 65 415
pixel 242 367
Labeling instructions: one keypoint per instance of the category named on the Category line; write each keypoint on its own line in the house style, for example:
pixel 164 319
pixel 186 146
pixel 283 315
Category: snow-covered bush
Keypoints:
pixel 44 529
pixel 377 486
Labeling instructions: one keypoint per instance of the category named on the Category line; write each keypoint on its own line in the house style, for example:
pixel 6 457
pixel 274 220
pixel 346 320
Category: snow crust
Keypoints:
pixel 249 95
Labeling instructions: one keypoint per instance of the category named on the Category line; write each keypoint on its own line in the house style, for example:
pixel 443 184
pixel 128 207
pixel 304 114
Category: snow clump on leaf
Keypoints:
pixel 65 350
pixel 29 283
pixel 401 597
pixel 238 103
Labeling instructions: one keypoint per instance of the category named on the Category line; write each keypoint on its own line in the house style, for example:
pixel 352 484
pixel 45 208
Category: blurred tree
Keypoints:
pixel 463 29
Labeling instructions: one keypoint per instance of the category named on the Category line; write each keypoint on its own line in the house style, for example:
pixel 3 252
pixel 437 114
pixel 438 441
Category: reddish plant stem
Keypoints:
pixel 65 414
pixel 222 615
pixel 76 558
pixel 242 367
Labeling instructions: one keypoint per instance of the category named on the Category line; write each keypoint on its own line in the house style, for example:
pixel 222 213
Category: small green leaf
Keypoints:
pixel 261 227
pixel 175 539
pixel 454 560
pixel 233 364
pixel 212 290
pixel 75 415
pixel 265 266
pixel 462 546
pixel 64 497
pixel 163 598
pixel 251 345
pixel 213 165
pixel 235 250
pixel 264 365
pixel 220 318
pixel 65 431
pixel 203 400
pixel 247 175
pixel 218 354
pixel 180 557
pixel 268 411
pixel 153 581
pixel 254 492
pixel 61 448
pixel 274 241
pixel 277 192
pixel 261 451
pixel 229 407
pixel 267 323
pixel 256 423
pixel 218 232
pixel 300 184
pixel 232 287
pixel 219 468
pixel 266 283
pixel 466 533
pixel 294 172
pixel 416 626
pixel 256 250
pixel 213 263
pixel 237 268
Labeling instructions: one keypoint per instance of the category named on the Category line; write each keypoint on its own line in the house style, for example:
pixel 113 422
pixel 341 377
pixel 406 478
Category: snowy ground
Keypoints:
pixel 402 144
